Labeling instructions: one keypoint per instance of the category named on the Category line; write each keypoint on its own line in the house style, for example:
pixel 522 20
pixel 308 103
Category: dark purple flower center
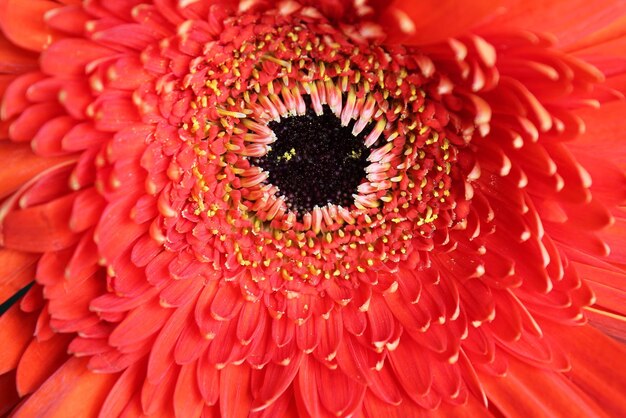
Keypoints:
pixel 315 160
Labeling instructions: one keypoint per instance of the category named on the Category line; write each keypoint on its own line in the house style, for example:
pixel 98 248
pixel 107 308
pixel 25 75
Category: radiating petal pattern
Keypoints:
pixel 305 208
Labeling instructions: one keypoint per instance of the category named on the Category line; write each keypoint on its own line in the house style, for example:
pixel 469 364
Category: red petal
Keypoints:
pixel 188 401
pixel 71 19
pixel 331 333
pixel 610 323
pixel 139 324
pixel 308 334
pixel 283 330
pixel 374 408
pixel 14 60
pixel 116 231
pixel 181 292
pixel 276 379
pixel 49 137
pixel 526 390
pixel 162 352
pixel 131 35
pixel 598 364
pixel 354 360
pixel 381 322
pixel 157 398
pixel 251 322
pixel 122 392
pixel 46 188
pixel 71 56
pixel 235 396
pixel 191 343
pixel 411 369
pixel 227 303
pixel 28 123
pixel 208 381
pixel 339 395
pixel 145 250
pixel 113 115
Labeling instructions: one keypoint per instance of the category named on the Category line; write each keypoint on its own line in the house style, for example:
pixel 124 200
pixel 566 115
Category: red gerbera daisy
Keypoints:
pixel 298 208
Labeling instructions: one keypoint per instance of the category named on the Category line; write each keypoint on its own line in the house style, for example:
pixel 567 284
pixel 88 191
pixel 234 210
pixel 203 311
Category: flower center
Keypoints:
pixel 302 154
pixel 315 161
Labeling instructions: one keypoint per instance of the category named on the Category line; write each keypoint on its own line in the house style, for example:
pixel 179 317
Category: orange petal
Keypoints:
pixel 19 165
pixel 17 269
pixel 616 30
pixel 39 361
pixel 14 100
pixel 528 391
pixel 569 20
pixel 23 23
pixel 16 331
pixel 598 365
pixel 427 21
pixel 122 392
pixel 40 228
pixel 72 388
pixel 8 393
pixel 611 323
pixel 14 60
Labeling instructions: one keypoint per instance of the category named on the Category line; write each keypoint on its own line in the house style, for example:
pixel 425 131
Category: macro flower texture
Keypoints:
pixel 298 208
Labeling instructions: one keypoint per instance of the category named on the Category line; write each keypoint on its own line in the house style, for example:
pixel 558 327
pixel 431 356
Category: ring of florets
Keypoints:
pixel 268 69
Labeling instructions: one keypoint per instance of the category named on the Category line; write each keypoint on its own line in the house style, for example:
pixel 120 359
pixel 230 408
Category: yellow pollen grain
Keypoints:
pixel 286 275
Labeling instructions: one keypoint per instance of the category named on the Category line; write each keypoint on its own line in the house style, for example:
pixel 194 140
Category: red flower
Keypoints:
pixel 312 208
